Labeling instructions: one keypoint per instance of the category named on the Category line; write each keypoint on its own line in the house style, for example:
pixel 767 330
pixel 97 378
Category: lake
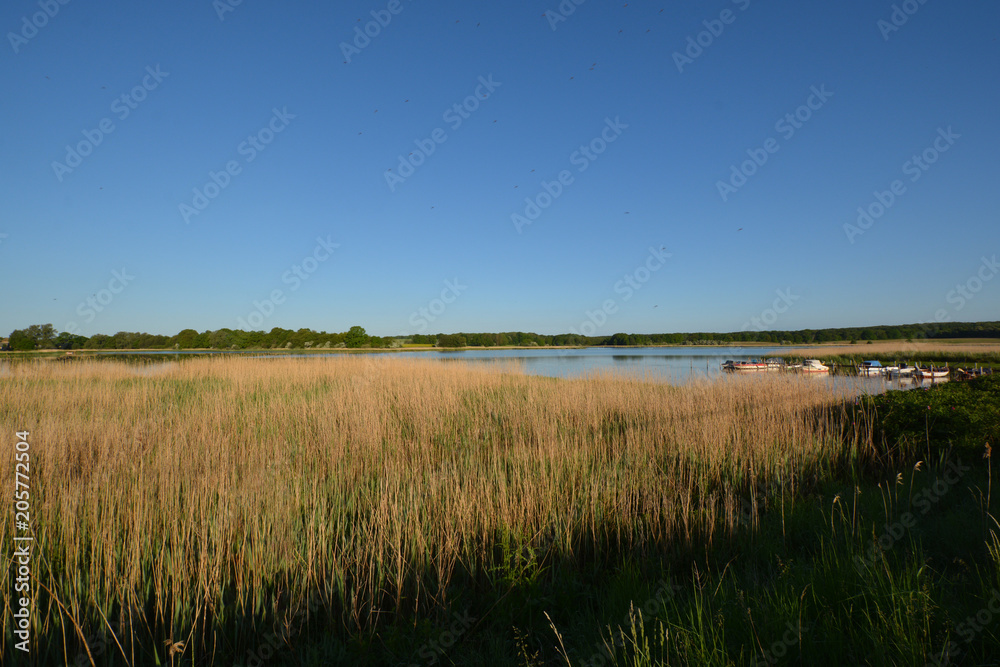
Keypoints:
pixel 673 364
pixel 663 364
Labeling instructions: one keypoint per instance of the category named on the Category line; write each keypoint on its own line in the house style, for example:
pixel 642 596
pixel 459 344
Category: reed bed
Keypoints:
pixel 902 349
pixel 197 505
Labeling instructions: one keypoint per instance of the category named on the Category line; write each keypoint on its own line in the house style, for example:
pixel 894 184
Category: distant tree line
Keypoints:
pixel 45 337
pixel 804 336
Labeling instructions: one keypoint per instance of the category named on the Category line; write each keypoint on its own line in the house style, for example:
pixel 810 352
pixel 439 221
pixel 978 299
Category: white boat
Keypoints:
pixel 871 369
pixel 814 366
pixel 903 370
pixel 744 366
pixel 933 373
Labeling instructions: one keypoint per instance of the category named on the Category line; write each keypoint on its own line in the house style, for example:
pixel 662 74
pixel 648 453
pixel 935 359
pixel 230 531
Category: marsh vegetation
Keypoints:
pixel 396 511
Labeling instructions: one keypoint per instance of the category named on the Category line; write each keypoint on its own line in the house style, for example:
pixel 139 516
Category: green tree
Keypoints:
pixel 37 336
pixel 45 335
pixel 185 339
pixel 356 337
pixel 99 342
pixel 221 339
pixel 20 340
pixel 124 340
pixel 451 340
pixel 379 342
pixel 67 341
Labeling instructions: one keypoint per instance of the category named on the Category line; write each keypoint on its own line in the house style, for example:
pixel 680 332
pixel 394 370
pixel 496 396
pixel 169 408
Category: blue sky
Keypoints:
pixel 152 99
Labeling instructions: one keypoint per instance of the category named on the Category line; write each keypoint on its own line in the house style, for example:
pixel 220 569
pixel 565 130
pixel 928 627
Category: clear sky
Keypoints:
pixel 121 119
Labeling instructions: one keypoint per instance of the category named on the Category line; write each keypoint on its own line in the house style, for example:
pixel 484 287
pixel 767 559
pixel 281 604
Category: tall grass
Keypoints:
pixel 182 510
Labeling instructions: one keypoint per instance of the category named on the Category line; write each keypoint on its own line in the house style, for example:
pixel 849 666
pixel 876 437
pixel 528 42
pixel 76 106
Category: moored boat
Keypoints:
pixel 776 364
pixel 752 365
pixel 814 366
pixel 903 370
pixel 871 368
pixel 930 373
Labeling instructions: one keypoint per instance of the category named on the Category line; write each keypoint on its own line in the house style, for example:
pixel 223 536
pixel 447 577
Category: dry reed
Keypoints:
pixel 193 495
pixel 906 349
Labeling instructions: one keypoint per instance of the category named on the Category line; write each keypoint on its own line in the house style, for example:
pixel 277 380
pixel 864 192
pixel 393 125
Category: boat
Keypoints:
pixel 814 366
pixel 753 365
pixel 962 374
pixel 871 369
pixel 929 373
pixel 776 364
pixel 903 370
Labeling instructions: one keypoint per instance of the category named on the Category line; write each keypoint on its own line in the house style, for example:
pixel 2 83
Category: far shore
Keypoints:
pixel 903 347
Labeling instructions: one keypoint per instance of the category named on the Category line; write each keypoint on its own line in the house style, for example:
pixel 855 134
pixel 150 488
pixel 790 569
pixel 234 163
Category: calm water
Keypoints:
pixel 665 364
pixel 673 364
